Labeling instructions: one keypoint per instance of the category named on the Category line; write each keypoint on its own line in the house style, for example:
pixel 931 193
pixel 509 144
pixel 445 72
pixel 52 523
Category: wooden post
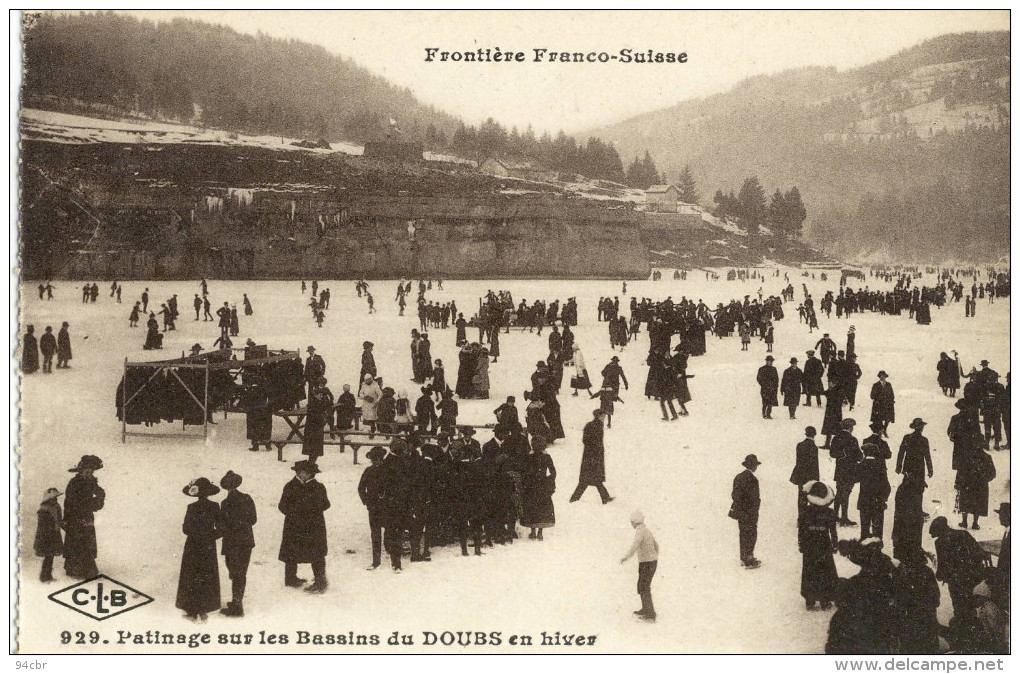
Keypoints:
pixel 123 405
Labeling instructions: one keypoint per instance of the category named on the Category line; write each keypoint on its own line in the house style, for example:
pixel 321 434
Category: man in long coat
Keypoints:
pixel 813 371
pixel 48 346
pixel 883 403
pixel 847 452
pixel 915 455
pixel 237 516
pixel 593 460
pixel 746 502
pixel 303 503
pixel 791 387
pixel 959 566
pixel 768 382
pixel 29 351
pixel 63 347
pixel 82 499
pixel 806 467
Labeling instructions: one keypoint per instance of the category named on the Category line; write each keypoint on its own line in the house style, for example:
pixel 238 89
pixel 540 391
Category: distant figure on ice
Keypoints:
pixel 133 318
pixel 153 338
pixel 236 518
pixel 83 498
pixel 198 587
pixel 746 502
pixel 768 383
pixel 647 550
pixel 48 346
pixel 63 347
pixel 949 373
pixel 248 311
pixel 791 387
pixel 197 303
pixel 29 351
pixel 883 403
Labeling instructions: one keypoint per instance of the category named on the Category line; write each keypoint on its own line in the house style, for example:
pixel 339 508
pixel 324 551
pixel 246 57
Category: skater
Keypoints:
pixel 813 371
pixel 29 351
pixel 806 467
pixel 976 470
pixel 64 348
pixel 236 518
pixel 145 301
pixel 48 346
pixel 949 373
pixel 83 498
pixel 612 375
pixel 768 382
pixel 224 314
pixel 593 460
pixel 49 540
pixel 607 397
pixel 197 303
pixel 370 395
pixel 367 361
pixel 908 516
pixel 746 502
pixel 258 413
pixel 846 450
pixel 816 540
pixel 647 550
pixel 580 379
pixel 133 318
pixel 303 503
pixel 198 587
pixel 248 311
pixel 370 490
pixel 883 403
pixel 206 309
pixel 539 486
pixel 320 414
pixel 791 387
pixel 873 496
pixel 914 455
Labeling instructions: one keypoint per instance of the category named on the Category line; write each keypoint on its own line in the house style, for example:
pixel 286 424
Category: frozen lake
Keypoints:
pixel 680 473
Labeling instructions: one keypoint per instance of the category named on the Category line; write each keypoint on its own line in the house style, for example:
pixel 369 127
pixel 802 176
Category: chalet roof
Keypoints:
pixel 658 189
pixel 517 165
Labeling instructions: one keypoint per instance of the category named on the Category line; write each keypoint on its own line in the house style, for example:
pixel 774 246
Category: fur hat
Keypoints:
pixel 818 493
pixel 637 517
pixel 53 493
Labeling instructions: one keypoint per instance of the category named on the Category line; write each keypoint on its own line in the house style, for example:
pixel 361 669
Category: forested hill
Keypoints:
pixel 907 157
pixel 211 75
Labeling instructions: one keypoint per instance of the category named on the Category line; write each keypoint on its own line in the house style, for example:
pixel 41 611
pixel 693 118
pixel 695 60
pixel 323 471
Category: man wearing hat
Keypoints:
pixel 806 467
pixel 593 460
pixel 315 367
pixel 236 519
pixel 367 361
pixel 999 582
pixel 612 375
pixel 875 489
pixel 915 455
pixel 883 403
pixel 303 503
pixel 83 498
pixel 791 387
pixel 647 550
pixel 960 565
pixel 371 493
pixel 813 371
pixel 746 502
pixel 768 382
pixel 847 452
pixel 827 348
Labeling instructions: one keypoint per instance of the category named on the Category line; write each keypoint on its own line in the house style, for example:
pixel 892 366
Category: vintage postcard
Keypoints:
pixel 515 332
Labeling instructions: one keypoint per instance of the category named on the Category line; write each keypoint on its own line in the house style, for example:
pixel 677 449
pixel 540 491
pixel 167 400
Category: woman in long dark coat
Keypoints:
pixel 908 516
pixel 425 357
pixel 466 372
pixel 949 374
pixel 976 470
pixel 494 343
pixel 258 416
pixel 655 371
pixel 681 391
pixel 198 589
pixel 964 431
pixel 916 597
pixel 303 504
pixel 320 413
pixel 833 413
pixel 817 539
pixel 82 499
pixel 883 402
pixel 29 351
pixel 539 486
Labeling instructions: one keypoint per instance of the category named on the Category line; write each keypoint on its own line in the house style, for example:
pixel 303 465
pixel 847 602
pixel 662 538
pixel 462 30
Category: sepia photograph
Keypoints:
pixel 325 325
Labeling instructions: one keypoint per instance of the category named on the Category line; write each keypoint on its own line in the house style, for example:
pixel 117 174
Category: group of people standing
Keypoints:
pixel 49 346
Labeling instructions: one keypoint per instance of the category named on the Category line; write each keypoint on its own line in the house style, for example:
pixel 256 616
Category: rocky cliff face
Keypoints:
pixel 133 211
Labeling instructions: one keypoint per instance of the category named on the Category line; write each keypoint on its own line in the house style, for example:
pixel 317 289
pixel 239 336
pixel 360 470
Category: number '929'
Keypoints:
pixel 79 637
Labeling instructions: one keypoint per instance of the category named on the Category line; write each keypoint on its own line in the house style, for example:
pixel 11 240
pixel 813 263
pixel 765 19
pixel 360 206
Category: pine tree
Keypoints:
pixel 751 201
pixel 688 188
pixel 777 216
pixel 796 214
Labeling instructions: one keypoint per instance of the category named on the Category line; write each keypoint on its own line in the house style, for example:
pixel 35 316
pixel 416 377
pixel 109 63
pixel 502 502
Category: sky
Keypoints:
pixel 722 47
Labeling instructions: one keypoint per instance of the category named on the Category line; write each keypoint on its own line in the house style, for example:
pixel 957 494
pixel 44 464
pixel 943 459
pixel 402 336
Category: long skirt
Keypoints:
pixel 539 511
pixel 259 424
pixel 818 573
pixel 198 590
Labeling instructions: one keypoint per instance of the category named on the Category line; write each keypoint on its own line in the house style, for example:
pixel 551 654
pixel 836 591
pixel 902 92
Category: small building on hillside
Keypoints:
pixel 525 170
pixel 662 198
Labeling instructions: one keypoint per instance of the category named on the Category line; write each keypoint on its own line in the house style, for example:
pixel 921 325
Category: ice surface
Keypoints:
pixel 679 473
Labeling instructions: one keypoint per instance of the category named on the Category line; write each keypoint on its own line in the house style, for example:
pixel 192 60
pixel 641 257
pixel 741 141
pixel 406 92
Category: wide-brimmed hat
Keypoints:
pixel 818 493
pixel 810 352
pixel 1003 508
pixel 200 487
pixel 377 453
pixel 89 461
pixel 310 349
pixel 882 373
pixel 231 480
pixel 53 492
pixel 196 347
pixel 467 431
pixel 918 423
pixel 769 359
pixel 984 363
pixel 306 465
pixel 615 359
pixel 750 460
pixel 793 361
